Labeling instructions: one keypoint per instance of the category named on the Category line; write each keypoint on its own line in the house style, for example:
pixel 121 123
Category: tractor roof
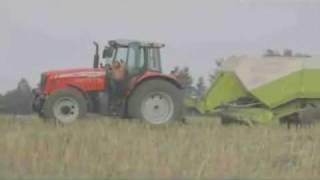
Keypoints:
pixel 126 42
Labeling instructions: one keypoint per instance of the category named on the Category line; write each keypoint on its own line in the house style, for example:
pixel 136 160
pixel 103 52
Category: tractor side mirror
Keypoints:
pixel 107 52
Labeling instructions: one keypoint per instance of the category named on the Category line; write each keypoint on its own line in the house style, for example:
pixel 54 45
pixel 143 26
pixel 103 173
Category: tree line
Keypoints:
pixel 185 78
pixel 18 100
pixel 285 53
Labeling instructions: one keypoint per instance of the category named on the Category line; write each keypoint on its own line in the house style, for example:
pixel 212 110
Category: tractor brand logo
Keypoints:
pixel 80 74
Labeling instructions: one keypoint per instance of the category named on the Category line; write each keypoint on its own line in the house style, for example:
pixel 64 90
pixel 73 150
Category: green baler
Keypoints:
pixel 262 90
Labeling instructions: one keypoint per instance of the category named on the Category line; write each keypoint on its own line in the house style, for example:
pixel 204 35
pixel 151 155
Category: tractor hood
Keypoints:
pixel 76 72
pixel 87 79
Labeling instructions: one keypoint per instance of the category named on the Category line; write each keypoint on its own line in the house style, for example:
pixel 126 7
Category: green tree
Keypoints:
pixel 19 100
pixel 213 75
pixel 271 53
pixel 201 87
pixel 175 71
pixel 302 55
pixel 184 77
pixel 287 53
pixel 1 103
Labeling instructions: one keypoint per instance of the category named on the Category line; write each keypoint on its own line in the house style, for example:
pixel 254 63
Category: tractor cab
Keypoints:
pixel 136 56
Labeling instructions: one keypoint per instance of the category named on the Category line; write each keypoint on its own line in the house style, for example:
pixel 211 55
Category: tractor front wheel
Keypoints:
pixel 156 101
pixel 65 105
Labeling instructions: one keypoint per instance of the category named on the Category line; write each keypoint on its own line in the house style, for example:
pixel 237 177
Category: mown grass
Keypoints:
pixel 202 148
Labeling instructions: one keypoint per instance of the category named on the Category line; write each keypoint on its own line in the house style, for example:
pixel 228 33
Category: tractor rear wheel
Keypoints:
pixel 156 101
pixel 65 105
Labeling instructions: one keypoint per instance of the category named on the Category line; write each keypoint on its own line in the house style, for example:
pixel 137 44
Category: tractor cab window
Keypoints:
pixel 154 59
pixel 133 56
pixel 122 54
pixel 135 60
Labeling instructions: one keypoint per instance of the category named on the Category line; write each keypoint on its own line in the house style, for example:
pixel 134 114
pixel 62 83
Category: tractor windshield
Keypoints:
pixel 121 54
pixel 133 56
pixel 138 58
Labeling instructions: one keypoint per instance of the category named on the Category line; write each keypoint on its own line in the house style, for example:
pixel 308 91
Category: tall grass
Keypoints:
pixel 202 148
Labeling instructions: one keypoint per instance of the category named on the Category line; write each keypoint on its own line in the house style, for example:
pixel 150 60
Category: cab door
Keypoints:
pixel 135 60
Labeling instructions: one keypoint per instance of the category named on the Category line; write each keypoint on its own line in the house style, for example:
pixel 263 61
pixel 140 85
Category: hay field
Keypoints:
pixel 202 148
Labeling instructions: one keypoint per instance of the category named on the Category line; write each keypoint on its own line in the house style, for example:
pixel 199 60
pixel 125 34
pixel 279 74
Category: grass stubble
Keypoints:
pixel 202 148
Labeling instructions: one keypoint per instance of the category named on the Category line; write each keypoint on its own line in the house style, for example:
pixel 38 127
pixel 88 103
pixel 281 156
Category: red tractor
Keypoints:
pixel 140 91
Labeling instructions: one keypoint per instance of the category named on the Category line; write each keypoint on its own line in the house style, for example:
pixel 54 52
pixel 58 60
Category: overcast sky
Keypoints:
pixel 38 35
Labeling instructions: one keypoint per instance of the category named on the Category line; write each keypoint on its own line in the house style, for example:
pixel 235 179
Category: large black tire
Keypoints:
pixel 65 106
pixel 164 99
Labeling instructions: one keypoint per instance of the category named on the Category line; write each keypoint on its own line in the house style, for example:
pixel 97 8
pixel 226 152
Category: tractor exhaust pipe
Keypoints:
pixel 96 56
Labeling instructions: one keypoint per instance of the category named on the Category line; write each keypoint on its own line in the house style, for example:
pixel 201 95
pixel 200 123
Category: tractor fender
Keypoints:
pixel 84 93
pixel 139 81
pixel 75 87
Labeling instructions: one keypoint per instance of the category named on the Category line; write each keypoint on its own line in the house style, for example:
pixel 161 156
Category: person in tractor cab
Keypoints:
pixel 118 86
pixel 118 70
